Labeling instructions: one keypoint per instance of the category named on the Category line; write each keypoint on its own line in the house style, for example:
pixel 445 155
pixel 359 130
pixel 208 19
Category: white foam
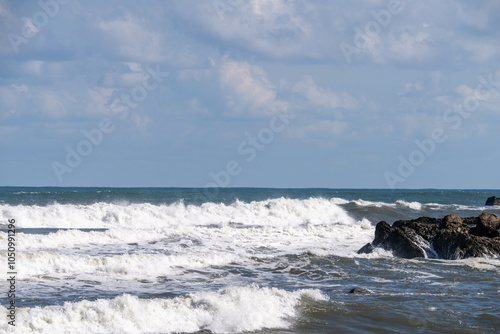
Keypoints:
pixel 399 203
pixel 417 206
pixel 230 310
pixel 70 238
pixel 412 205
pixel 177 249
pixel 241 230
pixel 275 212
pixel 480 263
pixel 126 266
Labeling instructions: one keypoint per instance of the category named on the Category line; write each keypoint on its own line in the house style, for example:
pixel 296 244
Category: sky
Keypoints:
pixel 233 93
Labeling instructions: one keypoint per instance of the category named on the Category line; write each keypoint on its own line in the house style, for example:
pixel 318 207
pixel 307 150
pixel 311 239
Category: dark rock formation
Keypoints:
pixel 450 238
pixel 488 225
pixel 382 231
pixel 493 201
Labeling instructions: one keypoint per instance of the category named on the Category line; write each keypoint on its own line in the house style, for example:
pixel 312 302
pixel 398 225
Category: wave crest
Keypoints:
pixel 230 310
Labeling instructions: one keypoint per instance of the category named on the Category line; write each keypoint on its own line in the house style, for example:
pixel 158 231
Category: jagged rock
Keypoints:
pixel 424 226
pixel 492 201
pixel 450 238
pixel 382 231
pixel 453 245
pixel 403 242
pixel 366 249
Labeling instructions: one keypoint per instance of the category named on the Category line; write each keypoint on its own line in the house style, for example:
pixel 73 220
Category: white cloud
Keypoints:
pixel 324 97
pixel 247 89
pixel 130 39
pixel 488 99
pixel 274 27
pixel 410 47
pixel 98 99
pixel 52 104
pixel 34 67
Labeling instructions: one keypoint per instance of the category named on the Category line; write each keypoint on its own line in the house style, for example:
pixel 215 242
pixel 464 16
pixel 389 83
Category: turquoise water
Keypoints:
pixel 165 260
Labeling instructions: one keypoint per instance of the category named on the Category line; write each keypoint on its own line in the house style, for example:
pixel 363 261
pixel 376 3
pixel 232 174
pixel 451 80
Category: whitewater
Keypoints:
pixel 167 260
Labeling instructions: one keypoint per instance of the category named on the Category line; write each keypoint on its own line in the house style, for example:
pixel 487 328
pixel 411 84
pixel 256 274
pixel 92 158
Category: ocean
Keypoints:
pixel 235 260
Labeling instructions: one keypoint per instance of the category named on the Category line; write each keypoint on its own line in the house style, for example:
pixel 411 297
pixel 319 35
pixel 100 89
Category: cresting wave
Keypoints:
pixel 273 212
pixel 229 310
pixel 417 206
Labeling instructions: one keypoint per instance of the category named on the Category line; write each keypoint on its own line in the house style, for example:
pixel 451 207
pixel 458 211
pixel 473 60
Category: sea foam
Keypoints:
pixel 274 212
pixel 229 310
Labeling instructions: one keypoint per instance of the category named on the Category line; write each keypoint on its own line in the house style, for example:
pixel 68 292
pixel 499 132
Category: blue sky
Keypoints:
pixel 345 94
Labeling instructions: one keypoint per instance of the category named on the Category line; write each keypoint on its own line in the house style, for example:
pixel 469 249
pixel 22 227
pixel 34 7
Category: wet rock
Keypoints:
pixel 366 249
pixel 454 245
pixel 488 225
pixel 453 222
pixel 403 242
pixel 450 238
pixel 382 231
pixel 426 227
pixel 492 201
pixel 356 290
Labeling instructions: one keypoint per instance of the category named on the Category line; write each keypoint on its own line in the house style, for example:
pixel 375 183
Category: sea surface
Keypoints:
pixel 237 260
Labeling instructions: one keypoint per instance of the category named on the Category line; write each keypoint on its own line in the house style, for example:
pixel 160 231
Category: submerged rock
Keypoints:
pixel 450 238
pixel 492 201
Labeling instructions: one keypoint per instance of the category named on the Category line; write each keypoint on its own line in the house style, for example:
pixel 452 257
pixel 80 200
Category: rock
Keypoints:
pixel 366 249
pixel 404 242
pixel 455 245
pixel 356 290
pixel 453 222
pixel 471 221
pixel 382 231
pixel 492 201
pixel 424 226
pixel 450 238
pixel 488 225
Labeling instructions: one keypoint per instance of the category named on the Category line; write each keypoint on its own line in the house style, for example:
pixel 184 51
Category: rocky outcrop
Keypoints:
pixel 449 238
pixel 493 201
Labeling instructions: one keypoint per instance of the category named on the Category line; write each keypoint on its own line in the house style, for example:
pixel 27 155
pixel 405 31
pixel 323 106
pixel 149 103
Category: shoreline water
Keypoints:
pixel 161 261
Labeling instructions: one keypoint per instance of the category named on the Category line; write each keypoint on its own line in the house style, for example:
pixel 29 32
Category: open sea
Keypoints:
pixel 236 260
